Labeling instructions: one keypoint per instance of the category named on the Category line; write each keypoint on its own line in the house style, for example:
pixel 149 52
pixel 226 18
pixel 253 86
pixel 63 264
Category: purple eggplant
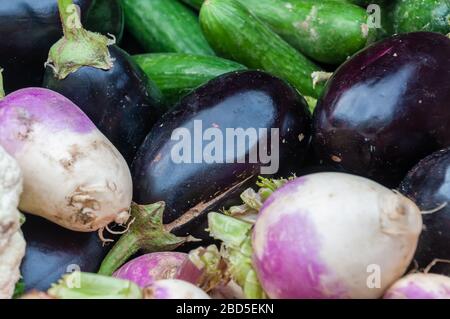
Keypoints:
pixel 53 251
pixel 108 86
pixel 428 184
pixel 192 186
pixel 29 28
pixel 248 100
pixel 386 108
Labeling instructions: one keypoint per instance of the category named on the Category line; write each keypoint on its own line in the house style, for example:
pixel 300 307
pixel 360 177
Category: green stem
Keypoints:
pixel 231 231
pixel 70 18
pixel 78 47
pixel 2 91
pixel 125 247
pixel 146 233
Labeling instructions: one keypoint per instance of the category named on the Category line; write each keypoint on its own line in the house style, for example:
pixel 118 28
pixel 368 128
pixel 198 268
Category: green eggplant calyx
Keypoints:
pixel 2 91
pixel 146 232
pixel 81 285
pixel 78 47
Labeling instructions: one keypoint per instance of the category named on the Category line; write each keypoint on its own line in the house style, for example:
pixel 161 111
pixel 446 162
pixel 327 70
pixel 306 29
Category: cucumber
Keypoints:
pixel 106 16
pixel 196 4
pixel 165 26
pixel 421 15
pixel 237 34
pixel 326 31
pixel 176 74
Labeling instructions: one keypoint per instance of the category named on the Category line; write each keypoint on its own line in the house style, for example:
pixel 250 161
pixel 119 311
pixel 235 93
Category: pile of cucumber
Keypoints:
pixel 292 39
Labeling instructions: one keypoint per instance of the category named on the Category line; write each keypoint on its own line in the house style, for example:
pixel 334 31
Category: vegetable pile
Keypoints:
pixel 196 149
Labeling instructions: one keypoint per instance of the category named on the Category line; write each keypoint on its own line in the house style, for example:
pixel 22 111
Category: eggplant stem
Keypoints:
pixel 146 232
pixel 70 18
pixel 2 91
pixel 125 247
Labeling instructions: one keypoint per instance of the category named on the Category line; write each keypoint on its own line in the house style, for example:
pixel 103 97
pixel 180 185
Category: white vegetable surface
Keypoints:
pixel 73 175
pixel 333 235
pixel 12 244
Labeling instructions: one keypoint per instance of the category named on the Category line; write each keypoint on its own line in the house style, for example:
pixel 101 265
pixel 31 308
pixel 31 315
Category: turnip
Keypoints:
pixel 174 289
pixel 147 269
pixel 334 235
pixel 12 244
pixel 420 286
pixel 73 175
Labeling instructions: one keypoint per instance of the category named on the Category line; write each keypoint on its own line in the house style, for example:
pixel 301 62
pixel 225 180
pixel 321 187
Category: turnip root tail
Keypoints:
pixel 434 263
pixel 2 91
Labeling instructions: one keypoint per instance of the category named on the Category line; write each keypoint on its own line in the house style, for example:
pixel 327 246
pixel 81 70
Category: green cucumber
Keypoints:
pixel 165 26
pixel 196 4
pixel 325 31
pixel 421 15
pixel 176 74
pixel 235 33
pixel 328 31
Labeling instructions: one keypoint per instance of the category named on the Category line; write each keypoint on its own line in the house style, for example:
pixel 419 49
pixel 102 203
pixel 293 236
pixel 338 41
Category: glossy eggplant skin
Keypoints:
pixel 428 185
pixel 242 99
pixel 386 108
pixel 122 102
pixel 28 29
pixel 48 257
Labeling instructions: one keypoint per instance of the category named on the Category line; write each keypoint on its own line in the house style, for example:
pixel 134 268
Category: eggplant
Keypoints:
pixel 53 251
pixel 428 185
pixel 28 29
pixel 250 99
pixel 386 108
pixel 185 189
pixel 110 88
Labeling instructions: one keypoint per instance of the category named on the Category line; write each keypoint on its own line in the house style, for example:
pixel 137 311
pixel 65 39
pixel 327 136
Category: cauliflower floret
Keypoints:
pixel 12 244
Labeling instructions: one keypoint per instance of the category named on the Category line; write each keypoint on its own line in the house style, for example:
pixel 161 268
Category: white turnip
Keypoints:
pixel 420 286
pixel 12 244
pixel 334 235
pixel 73 175
pixel 146 269
pixel 174 289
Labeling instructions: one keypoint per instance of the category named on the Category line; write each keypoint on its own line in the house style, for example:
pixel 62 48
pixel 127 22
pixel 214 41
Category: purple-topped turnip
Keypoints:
pixel 148 268
pixel 73 175
pixel 420 286
pixel 334 235
pixel 174 289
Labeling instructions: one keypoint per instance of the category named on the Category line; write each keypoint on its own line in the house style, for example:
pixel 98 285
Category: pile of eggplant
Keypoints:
pixel 174 149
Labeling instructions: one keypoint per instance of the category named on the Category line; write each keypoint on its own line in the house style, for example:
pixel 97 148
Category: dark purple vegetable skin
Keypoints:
pixel 28 29
pixel 239 99
pixel 122 102
pixel 428 185
pixel 386 108
pixel 52 249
